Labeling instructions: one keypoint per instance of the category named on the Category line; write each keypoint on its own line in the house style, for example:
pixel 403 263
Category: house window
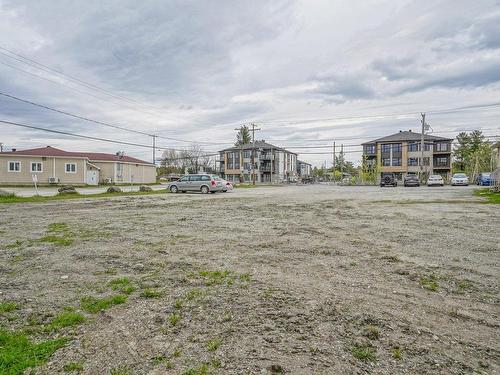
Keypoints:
pixel 70 167
pixel 396 162
pixel 413 146
pixel 441 147
pixel 36 167
pixel 441 162
pixel 369 149
pixel 412 162
pixel 14 166
pixel 247 154
pixel 386 162
pixel 426 160
pixel 386 148
pixel 396 147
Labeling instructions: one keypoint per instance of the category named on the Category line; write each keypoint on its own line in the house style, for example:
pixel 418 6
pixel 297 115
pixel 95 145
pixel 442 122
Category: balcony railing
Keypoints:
pixel 266 157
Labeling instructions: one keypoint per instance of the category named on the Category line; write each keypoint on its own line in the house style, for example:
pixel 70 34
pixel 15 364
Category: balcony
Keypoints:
pixel 266 156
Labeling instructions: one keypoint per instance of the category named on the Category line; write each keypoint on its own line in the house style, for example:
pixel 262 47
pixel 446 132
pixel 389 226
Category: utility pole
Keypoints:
pixel 1 147
pixel 334 162
pixel 154 149
pixel 341 161
pixel 422 148
pixel 253 152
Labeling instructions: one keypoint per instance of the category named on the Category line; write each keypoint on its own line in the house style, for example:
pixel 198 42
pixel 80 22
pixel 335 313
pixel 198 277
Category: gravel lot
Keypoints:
pixel 299 280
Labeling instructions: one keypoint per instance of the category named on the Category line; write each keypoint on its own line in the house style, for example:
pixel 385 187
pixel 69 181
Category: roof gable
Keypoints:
pixel 92 156
pixel 407 136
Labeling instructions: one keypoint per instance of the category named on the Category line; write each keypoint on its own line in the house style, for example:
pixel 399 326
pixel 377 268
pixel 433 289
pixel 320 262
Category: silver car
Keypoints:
pixel 460 179
pixel 203 183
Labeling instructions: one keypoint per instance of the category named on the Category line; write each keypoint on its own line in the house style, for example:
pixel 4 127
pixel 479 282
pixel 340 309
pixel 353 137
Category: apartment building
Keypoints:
pixel 304 170
pixel 400 153
pixel 272 164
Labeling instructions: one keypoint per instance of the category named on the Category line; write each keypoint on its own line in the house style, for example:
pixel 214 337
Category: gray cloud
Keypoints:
pixel 199 68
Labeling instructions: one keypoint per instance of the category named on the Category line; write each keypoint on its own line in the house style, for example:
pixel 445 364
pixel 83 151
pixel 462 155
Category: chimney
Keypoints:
pixel 400 131
pixel 14 150
pixel 409 130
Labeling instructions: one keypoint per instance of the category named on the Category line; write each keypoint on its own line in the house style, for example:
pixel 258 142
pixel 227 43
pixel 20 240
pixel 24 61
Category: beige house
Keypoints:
pixel 49 165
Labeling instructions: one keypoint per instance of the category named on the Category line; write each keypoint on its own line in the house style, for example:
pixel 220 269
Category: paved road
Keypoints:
pixel 48 191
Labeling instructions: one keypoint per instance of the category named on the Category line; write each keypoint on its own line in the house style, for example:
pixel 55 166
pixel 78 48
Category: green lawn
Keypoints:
pixel 489 195
pixel 38 198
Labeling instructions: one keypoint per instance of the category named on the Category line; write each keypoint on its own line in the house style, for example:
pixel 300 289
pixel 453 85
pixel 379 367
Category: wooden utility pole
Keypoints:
pixel 422 148
pixel 154 149
pixel 253 151
pixel 1 147
pixel 334 162
pixel 342 161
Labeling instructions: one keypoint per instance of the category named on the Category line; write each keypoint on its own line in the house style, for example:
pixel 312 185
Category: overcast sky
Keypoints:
pixel 195 70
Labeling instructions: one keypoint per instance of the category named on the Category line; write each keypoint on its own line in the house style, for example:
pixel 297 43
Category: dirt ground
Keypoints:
pixel 297 280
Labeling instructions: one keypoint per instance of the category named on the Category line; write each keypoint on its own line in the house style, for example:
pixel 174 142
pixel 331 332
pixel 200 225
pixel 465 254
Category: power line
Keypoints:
pixel 99 122
pixel 37 65
pixel 71 114
pixel 437 111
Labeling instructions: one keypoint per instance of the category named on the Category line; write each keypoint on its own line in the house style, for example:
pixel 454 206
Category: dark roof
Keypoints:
pixel 258 144
pixel 407 136
pixel 303 162
pixel 92 156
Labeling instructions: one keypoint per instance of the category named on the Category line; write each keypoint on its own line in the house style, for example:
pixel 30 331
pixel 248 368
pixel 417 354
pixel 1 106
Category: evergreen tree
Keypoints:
pixel 243 136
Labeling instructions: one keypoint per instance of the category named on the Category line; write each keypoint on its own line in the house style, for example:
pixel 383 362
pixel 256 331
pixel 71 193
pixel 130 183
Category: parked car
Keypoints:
pixel 203 183
pixel 435 180
pixel 226 185
pixel 460 179
pixel 388 179
pixel 483 179
pixel 411 180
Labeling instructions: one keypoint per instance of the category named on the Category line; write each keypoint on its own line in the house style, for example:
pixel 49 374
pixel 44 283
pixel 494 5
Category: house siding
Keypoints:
pixel 131 173
pixel 51 167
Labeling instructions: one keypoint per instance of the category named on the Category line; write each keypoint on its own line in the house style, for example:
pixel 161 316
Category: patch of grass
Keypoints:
pixel 364 353
pixel 488 195
pixel 179 302
pixel 15 245
pixel 429 283
pixel 73 366
pixel 151 293
pixel 7 307
pixel 216 277
pixel 40 199
pixel 67 319
pixel 94 305
pixel 245 277
pixel 202 369
pixel 57 240
pixel 177 353
pixel 193 294
pixel 122 370
pixel 174 319
pixel 396 353
pixel 371 332
pixel 464 285
pixel 213 345
pixel 17 352
pixel 58 227
pixel 123 284
pixel 58 234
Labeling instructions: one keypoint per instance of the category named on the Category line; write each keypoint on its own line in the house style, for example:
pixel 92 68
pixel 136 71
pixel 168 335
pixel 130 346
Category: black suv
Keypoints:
pixel 388 179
